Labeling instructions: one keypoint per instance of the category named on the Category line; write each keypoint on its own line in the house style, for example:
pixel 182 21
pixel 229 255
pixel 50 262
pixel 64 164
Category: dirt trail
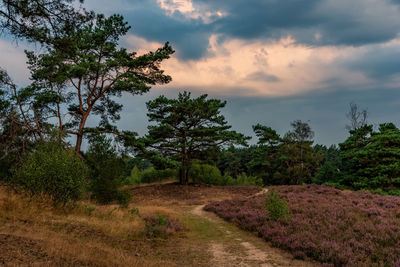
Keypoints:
pixel 240 248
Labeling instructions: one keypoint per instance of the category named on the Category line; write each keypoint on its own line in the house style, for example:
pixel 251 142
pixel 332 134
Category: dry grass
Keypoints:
pixel 32 232
pixel 84 235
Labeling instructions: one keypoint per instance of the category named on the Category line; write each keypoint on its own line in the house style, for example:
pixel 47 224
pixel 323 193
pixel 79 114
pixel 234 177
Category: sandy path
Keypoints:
pixel 249 249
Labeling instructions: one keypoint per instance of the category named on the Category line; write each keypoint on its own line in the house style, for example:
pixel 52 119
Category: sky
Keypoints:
pixel 273 61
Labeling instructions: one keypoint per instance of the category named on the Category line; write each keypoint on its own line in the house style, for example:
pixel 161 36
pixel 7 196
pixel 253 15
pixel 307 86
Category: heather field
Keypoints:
pixel 334 227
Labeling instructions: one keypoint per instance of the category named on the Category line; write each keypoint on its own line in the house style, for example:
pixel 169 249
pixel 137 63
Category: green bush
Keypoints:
pixel 243 179
pixel 54 171
pixel 152 175
pixel 134 178
pixel 107 171
pixel 277 207
pixel 208 174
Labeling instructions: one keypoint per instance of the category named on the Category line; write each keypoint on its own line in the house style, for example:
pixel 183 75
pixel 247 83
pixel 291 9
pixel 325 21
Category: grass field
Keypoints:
pixel 35 233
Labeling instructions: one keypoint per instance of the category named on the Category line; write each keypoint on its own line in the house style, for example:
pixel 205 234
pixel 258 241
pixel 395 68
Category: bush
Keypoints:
pixel 277 207
pixel 161 226
pixel 107 171
pixel 134 178
pixel 243 179
pixel 152 175
pixel 207 174
pixel 54 171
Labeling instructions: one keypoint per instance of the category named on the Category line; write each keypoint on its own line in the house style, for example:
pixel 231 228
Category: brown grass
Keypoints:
pixel 32 232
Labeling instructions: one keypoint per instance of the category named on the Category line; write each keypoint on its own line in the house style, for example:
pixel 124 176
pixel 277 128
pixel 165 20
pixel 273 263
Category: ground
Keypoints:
pixel 91 235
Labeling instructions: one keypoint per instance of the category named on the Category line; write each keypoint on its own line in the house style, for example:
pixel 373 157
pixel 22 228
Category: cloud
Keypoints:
pixel 263 77
pixel 13 60
pixel 312 22
pixel 187 9
pixel 380 63
pixel 189 24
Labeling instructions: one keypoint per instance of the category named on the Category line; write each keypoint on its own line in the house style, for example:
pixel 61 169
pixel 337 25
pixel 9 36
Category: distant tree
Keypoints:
pixel 266 135
pixel 234 160
pixel 372 158
pixel 357 118
pixel 81 71
pixel 298 155
pixel 264 157
pixel 331 166
pixel 186 129
pixel 301 132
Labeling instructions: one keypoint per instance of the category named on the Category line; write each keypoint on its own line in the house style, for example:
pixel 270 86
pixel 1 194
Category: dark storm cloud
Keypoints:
pixel 190 38
pixel 312 22
pixel 148 20
pixel 381 63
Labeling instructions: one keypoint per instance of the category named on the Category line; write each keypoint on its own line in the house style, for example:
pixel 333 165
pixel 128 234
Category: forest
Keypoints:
pixel 81 72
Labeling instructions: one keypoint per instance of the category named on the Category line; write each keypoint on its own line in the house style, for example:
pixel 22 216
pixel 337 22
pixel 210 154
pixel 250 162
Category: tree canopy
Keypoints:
pixel 187 128
pixel 372 158
pixel 81 71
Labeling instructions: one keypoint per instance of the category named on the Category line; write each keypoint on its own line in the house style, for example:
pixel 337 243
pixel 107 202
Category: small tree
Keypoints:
pixel 53 170
pixel 187 128
pixel 357 118
pixel 107 170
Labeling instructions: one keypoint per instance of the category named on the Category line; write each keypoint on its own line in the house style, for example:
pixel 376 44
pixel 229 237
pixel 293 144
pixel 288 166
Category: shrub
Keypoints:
pixel 134 178
pixel 161 226
pixel 152 175
pixel 54 171
pixel 107 170
pixel 243 179
pixel 207 174
pixel 277 207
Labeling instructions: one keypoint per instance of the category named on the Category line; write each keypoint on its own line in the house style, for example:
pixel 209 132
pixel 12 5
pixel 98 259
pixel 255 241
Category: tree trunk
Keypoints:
pixel 183 174
pixel 79 136
pixel 78 144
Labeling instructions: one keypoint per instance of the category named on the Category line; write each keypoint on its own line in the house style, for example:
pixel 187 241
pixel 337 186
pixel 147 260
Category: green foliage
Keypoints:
pixel 107 171
pixel 331 165
pixel 234 160
pixel 157 227
pixel 372 158
pixel 288 160
pixel 81 68
pixel 186 128
pixel 208 174
pixel 204 173
pixel 124 197
pixel 152 175
pixel 134 178
pixel 161 226
pixel 277 207
pixel 243 179
pixel 53 170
